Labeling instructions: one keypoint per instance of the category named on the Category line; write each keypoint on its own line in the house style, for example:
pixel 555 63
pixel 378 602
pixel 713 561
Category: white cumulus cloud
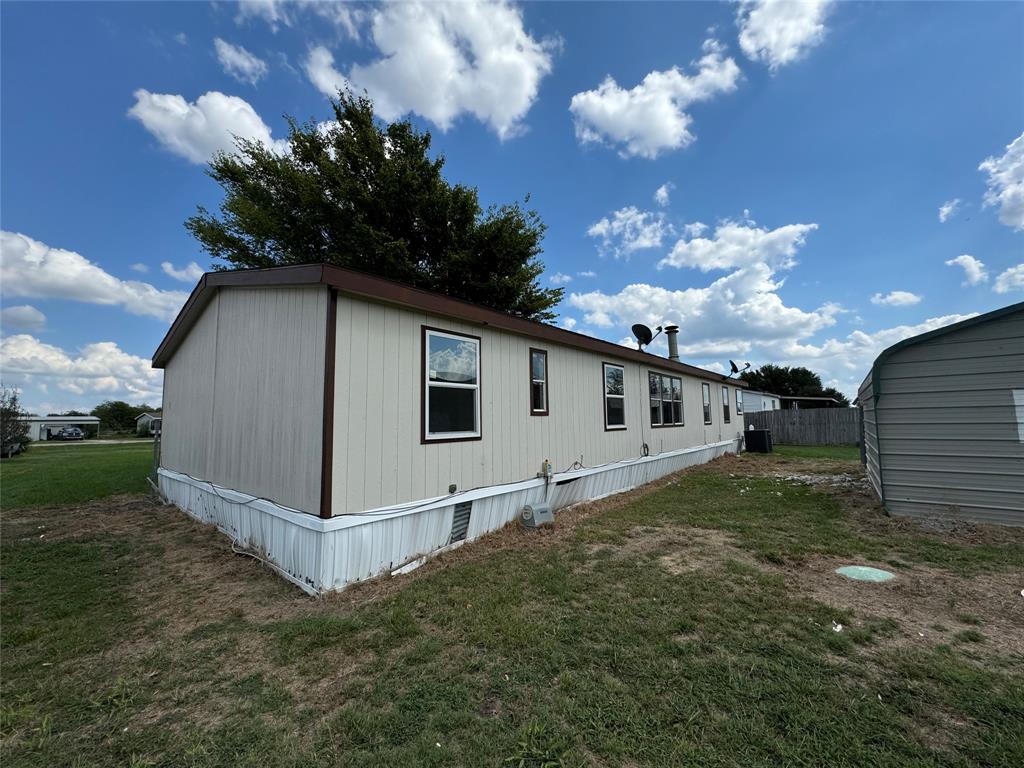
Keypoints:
pixel 661 194
pixel 739 244
pixel 1010 280
pixel 442 60
pixel 197 130
pixel 1006 183
pixel 630 229
pixel 974 269
pixel 190 273
pixel 101 370
pixel 780 32
pixel 560 278
pixel 32 269
pixel 651 117
pixel 22 318
pixel 239 63
pixel 896 299
pixel 286 13
pixel 948 209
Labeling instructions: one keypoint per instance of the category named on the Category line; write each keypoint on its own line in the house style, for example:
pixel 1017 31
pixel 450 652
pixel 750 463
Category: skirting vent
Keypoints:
pixel 460 520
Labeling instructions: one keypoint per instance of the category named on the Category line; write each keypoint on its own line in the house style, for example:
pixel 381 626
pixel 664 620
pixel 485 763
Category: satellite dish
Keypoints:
pixel 736 369
pixel 643 334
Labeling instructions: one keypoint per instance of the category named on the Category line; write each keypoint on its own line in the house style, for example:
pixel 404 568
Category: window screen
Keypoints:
pixel 706 392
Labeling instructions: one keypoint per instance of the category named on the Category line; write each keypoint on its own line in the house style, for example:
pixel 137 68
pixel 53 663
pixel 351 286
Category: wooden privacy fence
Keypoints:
pixel 814 426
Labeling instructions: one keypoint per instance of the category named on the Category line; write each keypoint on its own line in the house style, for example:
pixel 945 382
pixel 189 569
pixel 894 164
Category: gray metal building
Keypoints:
pixel 943 421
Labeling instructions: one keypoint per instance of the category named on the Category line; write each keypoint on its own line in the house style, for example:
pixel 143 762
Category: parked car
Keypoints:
pixel 71 433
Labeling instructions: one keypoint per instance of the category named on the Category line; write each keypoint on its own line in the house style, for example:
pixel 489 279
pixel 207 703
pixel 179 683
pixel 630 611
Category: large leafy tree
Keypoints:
pixel 119 416
pixel 363 194
pixel 795 382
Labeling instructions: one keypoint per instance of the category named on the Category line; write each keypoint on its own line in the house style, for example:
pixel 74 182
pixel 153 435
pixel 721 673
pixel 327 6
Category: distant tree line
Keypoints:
pixel 791 382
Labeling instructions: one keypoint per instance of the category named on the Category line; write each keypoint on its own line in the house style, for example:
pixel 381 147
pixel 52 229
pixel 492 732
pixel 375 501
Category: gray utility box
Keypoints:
pixel 536 515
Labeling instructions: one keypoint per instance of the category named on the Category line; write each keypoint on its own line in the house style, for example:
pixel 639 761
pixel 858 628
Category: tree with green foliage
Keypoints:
pixel 118 416
pixel 359 193
pixel 793 382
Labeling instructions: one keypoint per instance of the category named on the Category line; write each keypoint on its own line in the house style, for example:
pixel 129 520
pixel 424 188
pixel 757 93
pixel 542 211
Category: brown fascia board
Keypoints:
pixel 362 285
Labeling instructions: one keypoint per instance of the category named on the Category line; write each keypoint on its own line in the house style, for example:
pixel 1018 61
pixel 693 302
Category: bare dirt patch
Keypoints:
pixel 929 605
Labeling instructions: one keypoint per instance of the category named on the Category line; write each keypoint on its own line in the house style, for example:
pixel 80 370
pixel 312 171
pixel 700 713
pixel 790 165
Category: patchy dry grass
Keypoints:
pixel 687 623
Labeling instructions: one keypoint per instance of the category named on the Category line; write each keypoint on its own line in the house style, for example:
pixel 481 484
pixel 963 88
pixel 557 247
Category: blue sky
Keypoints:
pixel 803 153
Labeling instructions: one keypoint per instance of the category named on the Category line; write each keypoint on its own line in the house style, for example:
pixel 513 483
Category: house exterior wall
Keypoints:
pixel 947 427
pixel 378 457
pixel 243 395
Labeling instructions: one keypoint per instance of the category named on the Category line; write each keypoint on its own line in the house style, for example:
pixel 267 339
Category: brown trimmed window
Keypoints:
pixel 451 392
pixel 706 392
pixel 725 404
pixel 614 396
pixel 538 382
pixel 666 393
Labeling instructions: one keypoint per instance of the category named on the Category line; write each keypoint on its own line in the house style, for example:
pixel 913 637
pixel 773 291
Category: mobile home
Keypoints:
pixel 943 421
pixel 345 425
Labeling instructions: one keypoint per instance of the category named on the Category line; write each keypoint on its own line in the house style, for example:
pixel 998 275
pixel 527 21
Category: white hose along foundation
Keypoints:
pixel 323 555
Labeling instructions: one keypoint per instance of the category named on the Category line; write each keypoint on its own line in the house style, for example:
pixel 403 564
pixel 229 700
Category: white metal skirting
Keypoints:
pixel 323 555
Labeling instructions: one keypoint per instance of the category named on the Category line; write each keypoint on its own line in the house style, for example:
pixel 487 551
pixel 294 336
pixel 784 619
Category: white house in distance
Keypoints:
pixel 148 423
pixel 755 402
pixel 345 425
pixel 943 421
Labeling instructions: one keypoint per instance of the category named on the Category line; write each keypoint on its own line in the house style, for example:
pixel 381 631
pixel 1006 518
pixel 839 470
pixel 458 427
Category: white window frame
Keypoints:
pixel 705 390
pixel 436 437
pixel 726 415
pixel 604 401
pixel 739 401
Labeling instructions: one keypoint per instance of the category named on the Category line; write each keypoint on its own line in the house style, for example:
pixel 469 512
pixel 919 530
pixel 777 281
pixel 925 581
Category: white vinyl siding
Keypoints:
pixel 243 395
pixel 379 458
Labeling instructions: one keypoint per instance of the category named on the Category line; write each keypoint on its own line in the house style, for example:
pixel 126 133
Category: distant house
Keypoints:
pixel 346 426
pixel 47 427
pixel 943 421
pixel 755 402
pixel 148 423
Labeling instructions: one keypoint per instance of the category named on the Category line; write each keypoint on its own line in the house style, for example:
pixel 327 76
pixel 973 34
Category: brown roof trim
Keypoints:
pixel 366 286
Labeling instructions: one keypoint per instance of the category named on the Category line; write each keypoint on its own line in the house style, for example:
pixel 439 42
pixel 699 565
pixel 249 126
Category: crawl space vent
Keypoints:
pixel 460 520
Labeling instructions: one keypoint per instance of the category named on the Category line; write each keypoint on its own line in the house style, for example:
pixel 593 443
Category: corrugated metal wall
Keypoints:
pixel 243 395
pixel 870 424
pixel 378 457
pixel 949 439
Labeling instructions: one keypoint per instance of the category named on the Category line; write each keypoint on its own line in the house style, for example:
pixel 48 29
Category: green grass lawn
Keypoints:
pixel 837 452
pixel 668 628
pixel 72 474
